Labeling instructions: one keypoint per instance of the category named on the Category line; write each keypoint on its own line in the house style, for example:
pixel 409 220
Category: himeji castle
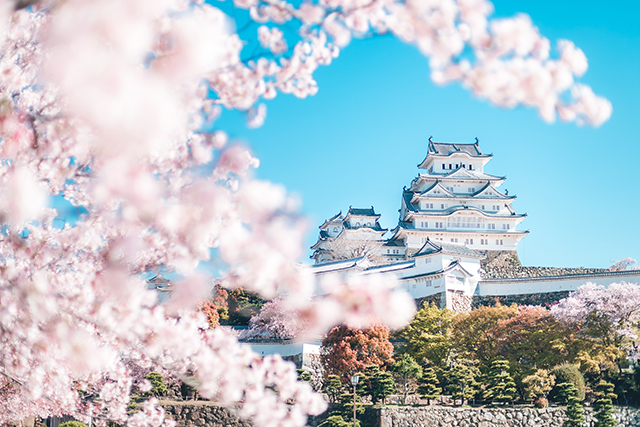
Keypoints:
pixel 455 242
pixel 455 201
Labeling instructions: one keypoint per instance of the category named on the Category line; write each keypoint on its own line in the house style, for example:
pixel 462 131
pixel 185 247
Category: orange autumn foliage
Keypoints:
pixel 346 351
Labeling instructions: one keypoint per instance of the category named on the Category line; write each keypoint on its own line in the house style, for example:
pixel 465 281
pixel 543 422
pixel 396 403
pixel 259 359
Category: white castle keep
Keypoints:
pixel 455 242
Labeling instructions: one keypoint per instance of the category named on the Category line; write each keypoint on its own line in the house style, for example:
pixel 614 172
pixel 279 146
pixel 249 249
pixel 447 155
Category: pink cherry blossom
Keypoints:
pixel 110 106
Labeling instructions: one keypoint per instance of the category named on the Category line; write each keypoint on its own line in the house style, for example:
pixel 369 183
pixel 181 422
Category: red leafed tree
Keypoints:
pixel 211 311
pixel 346 351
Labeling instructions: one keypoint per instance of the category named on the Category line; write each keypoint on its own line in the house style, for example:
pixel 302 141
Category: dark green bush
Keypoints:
pixel 568 373
pixel 73 424
pixel 338 421
pixel 157 384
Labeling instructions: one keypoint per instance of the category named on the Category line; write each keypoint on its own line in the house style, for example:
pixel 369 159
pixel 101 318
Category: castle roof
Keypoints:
pixel 455 265
pixel 453 209
pixel 336 218
pixel 446 149
pixel 375 227
pixel 487 191
pixel 363 212
pixel 460 174
pixel 430 247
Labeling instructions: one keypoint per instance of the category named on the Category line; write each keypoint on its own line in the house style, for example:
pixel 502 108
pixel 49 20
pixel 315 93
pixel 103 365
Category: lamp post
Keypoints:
pixel 354 380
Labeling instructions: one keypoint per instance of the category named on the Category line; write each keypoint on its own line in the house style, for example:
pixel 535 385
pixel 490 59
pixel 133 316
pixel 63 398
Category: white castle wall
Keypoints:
pixel 536 285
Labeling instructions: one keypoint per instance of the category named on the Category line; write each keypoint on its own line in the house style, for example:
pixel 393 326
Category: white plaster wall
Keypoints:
pixel 419 289
pixel 538 285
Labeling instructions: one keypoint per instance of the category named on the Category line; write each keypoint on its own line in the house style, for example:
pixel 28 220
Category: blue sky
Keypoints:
pixel 358 141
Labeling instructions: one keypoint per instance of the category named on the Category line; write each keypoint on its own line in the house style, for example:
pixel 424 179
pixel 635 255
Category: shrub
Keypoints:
pixel 157 384
pixel 568 373
pixel 73 424
pixel 337 421
pixel 541 402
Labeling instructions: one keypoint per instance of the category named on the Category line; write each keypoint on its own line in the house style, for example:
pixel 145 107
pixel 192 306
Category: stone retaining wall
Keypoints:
pixel 505 272
pixel 203 413
pixel 520 299
pixel 438 299
pixel 490 417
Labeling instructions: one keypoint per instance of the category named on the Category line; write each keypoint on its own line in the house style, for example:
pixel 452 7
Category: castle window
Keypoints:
pixel 470 167
pixel 369 224
pixel 450 166
pixel 443 168
pixel 456 166
pixel 482 207
pixel 357 224
pixel 442 206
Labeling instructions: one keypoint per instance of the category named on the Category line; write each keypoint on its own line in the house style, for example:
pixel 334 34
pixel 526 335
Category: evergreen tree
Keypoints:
pixel 157 384
pixel 462 381
pixel 345 409
pixel 304 375
pixel 332 387
pixel 408 370
pixel 604 405
pixel 428 385
pixel 500 384
pixel 335 421
pixel 564 392
pixel 377 384
pixel 575 413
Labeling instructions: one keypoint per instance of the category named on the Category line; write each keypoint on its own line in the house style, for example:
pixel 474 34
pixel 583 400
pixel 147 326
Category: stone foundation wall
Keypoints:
pixel 490 417
pixel 459 303
pixel 499 259
pixel 438 299
pixel 203 413
pixel 200 414
pixel 520 299
pixel 504 272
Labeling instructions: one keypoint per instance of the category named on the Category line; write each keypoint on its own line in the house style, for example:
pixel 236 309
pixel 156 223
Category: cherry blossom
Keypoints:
pixel 616 306
pixel 112 107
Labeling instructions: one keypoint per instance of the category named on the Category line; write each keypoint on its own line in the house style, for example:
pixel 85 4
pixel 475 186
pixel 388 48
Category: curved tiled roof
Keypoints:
pixel 430 247
pixel 453 209
pixel 450 195
pixel 448 148
pixel 362 211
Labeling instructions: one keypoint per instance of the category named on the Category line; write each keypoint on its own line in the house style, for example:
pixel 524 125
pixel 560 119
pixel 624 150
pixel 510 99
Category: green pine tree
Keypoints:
pixel 564 392
pixel 378 384
pixel 574 412
pixel 604 405
pixel 304 375
pixel 407 370
pixel 428 385
pixel 332 387
pixel 345 409
pixel 462 381
pixel 157 384
pixel 336 421
pixel 500 384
